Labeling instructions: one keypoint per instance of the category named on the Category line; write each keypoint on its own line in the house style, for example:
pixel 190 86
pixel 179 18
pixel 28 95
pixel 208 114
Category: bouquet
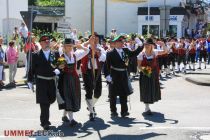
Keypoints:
pixel 147 71
pixel 61 62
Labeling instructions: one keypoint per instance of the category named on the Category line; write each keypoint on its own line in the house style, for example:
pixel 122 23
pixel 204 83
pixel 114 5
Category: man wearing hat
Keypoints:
pixel 117 75
pixel 92 78
pixel 44 74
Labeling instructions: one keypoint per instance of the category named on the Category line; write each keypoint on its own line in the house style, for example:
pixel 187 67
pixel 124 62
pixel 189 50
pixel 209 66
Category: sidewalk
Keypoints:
pixel 199 77
pixel 18 78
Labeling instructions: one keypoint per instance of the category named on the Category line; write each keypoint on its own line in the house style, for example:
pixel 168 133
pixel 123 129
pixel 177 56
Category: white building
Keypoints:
pixel 11 11
pixel 130 17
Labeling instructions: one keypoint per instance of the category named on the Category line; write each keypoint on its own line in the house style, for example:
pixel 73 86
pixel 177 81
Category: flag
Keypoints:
pixel 130 1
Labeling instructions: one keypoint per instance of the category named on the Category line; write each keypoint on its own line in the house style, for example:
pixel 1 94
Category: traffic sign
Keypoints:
pixel 28 17
pixel 64 24
pixel 63 30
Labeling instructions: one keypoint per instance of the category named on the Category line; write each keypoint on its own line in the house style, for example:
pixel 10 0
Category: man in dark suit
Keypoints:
pixel 117 75
pixel 43 71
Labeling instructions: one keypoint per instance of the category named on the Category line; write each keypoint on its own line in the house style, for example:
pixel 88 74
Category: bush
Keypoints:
pixel 58 3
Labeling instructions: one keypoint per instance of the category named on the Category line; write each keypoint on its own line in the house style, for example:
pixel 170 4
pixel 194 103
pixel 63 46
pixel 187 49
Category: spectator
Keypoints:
pixel 74 35
pixel 23 32
pixel 208 48
pixel 113 33
pixel 12 57
pixel 1 63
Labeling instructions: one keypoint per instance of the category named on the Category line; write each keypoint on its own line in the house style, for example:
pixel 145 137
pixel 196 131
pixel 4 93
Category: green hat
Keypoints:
pixel 118 38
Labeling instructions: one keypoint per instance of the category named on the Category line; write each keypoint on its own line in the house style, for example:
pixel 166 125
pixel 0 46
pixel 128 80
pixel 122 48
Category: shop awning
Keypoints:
pixel 156 11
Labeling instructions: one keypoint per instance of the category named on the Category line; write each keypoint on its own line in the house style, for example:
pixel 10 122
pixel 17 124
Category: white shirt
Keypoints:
pixel 24 31
pixel 140 56
pixel 159 47
pixel 120 51
pixel 79 54
pixel 46 54
pixel 102 58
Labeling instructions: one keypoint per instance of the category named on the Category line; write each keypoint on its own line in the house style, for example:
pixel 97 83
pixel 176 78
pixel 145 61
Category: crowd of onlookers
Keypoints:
pixel 10 55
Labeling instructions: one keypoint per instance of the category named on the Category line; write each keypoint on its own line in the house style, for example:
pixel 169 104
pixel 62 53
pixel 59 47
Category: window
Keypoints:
pixel 173 30
pixel 154 30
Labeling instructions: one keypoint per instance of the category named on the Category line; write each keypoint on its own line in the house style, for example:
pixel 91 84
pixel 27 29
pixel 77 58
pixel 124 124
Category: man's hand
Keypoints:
pixel 57 72
pixel 109 79
pixel 30 86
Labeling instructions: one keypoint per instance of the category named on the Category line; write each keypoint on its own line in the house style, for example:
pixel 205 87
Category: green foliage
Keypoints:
pixel 58 3
pixel 32 2
pixel 56 35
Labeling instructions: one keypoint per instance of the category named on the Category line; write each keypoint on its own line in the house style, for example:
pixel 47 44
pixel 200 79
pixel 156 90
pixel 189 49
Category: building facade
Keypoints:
pixel 10 15
pixel 122 16
pixel 133 17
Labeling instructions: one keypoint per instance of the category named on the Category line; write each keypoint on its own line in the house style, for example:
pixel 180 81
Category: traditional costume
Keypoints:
pixel 69 83
pixel 149 84
pixel 117 76
pixel 191 57
pixel 181 51
pixel 203 55
pixel 92 80
pixel 172 56
pixel 44 74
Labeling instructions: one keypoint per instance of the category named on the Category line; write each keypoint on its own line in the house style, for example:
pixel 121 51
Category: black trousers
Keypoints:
pixel 191 58
pixel 163 61
pixel 203 55
pixel 123 102
pixel 181 58
pixel 92 91
pixel 45 114
pixel 171 59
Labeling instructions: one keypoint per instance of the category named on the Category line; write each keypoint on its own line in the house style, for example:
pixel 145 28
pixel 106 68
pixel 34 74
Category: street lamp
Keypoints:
pixel 148 19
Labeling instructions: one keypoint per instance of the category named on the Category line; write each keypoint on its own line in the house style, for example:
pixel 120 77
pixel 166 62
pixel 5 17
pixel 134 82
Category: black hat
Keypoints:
pixel 44 38
pixel 149 41
pixel 69 41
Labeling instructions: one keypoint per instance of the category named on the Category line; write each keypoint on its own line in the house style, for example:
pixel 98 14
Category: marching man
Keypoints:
pixel 44 74
pixel 91 66
pixel 117 75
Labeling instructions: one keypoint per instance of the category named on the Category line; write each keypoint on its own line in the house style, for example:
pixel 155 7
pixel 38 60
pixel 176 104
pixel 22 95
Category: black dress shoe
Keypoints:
pixel 148 113
pixel 46 127
pixel 114 114
pixel 73 123
pixel 65 119
pixel 92 117
pixel 49 123
pixel 125 114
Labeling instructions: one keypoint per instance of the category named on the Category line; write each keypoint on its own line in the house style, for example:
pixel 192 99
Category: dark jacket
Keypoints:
pixel 45 89
pixel 119 85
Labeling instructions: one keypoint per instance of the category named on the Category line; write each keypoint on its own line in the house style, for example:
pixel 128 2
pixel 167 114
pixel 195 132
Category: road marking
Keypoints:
pixel 22 119
pixel 38 138
pixel 45 138
pixel 174 128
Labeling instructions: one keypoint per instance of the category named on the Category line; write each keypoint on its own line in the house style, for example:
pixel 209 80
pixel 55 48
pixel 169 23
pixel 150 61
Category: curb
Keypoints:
pixel 198 73
pixel 196 82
